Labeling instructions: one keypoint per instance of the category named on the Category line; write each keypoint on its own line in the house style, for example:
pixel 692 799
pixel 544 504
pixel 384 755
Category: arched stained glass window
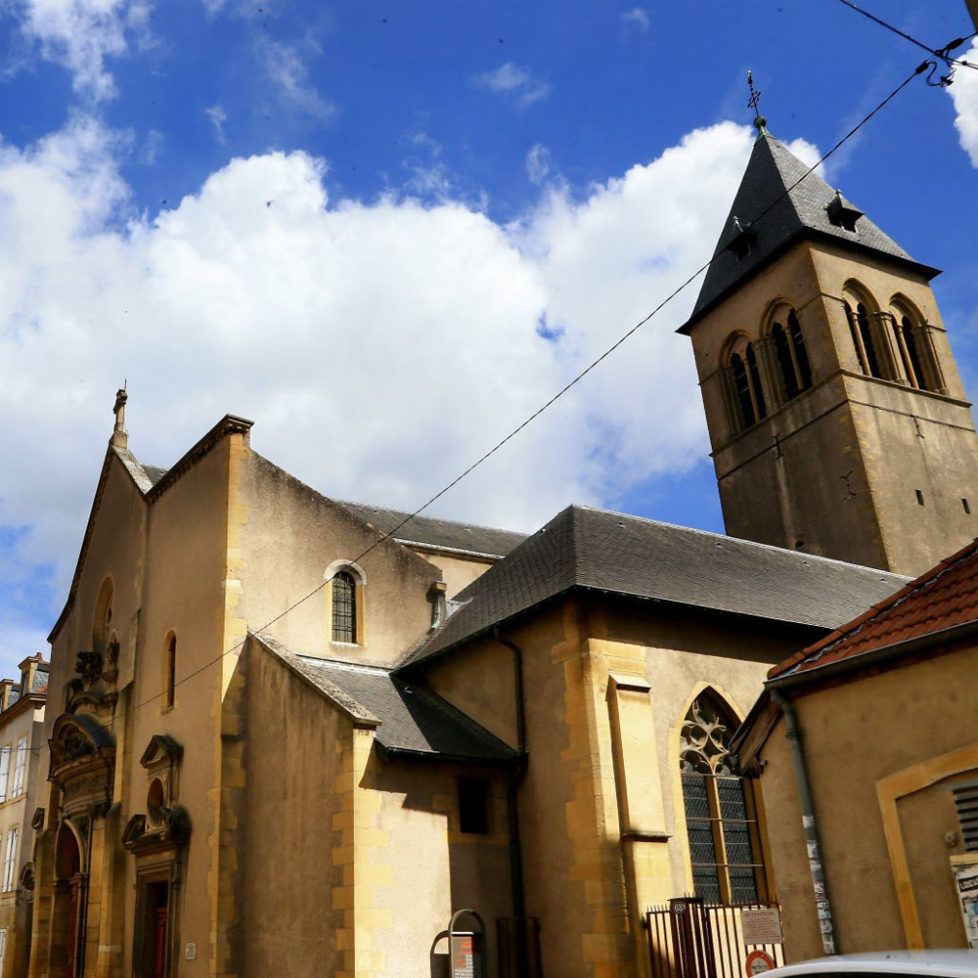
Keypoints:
pixel 721 822
pixel 344 608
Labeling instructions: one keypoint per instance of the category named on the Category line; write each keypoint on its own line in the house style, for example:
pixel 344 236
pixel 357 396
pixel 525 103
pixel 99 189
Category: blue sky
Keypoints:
pixel 387 232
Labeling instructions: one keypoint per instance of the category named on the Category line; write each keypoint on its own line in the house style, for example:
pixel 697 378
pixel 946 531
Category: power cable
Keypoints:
pixel 942 53
pixel 553 399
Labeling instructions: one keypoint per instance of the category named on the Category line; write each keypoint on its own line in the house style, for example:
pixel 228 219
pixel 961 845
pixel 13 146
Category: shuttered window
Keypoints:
pixel 20 766
pixel 966 802
pixel 10 862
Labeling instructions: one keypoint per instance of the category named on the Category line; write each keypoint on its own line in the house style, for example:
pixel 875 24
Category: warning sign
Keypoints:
pixel 757 963
pixel 761 926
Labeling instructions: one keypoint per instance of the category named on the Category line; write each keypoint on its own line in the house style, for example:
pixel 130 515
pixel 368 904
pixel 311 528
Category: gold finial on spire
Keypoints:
pixel 755 97
pixel 120 437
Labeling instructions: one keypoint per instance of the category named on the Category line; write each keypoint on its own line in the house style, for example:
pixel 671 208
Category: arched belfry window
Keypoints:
pixel 344 607
pixel 745 376
pixel 858 313
pixel 916 350
pixel 792 357
pixel 721 821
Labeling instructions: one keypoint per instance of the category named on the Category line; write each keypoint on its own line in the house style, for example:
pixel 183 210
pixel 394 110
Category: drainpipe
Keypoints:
pixel 819 885
pixel 515 779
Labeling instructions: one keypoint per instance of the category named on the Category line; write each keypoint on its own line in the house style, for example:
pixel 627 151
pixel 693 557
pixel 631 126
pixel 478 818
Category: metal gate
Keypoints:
pixel 691 939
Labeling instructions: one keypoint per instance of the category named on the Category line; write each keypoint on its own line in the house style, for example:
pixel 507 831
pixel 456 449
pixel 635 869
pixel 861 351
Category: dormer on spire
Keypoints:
pixel 120 437
pixel 841 213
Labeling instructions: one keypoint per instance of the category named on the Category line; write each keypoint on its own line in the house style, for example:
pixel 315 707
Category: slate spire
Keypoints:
pixel 772 210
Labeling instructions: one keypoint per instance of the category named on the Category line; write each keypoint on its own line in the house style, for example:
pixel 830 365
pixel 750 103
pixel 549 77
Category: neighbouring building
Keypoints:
pixel 293 736
pixel 866 744
pixel 21 743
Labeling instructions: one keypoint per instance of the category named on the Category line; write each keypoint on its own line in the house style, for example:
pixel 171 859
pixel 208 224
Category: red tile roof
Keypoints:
pixel 944 596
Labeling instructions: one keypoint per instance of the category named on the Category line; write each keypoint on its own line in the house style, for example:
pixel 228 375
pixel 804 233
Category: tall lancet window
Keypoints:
pixel 721 821
pixel 344 608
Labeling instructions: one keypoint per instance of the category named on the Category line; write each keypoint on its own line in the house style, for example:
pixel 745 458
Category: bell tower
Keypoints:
pixel 837 418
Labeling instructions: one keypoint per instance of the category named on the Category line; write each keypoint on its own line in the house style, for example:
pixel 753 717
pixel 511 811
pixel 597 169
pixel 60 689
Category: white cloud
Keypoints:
pixel 514 82
pixel 81 35
pixel 538 163
pixel 218 117
pixel 637 17
pixel 964 93
pixel 151 148
pixel 380 346
pixel 286 65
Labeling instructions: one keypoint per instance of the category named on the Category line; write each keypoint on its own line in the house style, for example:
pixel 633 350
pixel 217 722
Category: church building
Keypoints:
pixel 295 736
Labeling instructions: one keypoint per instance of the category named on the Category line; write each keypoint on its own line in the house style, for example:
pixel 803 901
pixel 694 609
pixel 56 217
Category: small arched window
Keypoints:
pixel 344 591
pixel 789 345
pixel 912 362
pixel 721 822
pixel 862 338
pixel 916 351
pixel 742 390
pixel 747 390
pixel 170 672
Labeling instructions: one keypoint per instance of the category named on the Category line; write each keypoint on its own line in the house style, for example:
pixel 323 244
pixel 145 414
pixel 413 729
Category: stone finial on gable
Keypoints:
pixel 120 437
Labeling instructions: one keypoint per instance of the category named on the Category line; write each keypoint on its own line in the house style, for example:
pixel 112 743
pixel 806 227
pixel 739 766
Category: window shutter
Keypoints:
pixel 966 802
pixel 21 763
pixel 8 868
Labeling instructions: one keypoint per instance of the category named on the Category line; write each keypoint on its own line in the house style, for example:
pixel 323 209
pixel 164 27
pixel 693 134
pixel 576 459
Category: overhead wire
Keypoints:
pixel 390 534
pixel 942 53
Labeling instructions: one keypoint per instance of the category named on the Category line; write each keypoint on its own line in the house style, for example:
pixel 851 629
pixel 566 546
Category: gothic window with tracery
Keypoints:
pixel 721 821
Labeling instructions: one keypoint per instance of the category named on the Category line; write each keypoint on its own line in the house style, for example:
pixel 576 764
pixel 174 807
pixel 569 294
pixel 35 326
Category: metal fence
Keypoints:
pixel 691 939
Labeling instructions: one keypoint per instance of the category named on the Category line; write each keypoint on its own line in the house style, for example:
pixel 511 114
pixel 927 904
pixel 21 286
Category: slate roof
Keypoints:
pixel 944 597
pixel 772 169
pixel 440 534
pixel 410 719
pixel 628 555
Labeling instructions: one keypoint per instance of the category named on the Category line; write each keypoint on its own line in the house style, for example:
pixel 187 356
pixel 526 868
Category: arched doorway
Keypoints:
pixel 67 905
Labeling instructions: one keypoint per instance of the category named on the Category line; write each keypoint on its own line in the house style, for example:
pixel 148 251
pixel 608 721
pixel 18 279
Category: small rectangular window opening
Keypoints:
pixel 920 497
pixel 473 805
pixel 964 503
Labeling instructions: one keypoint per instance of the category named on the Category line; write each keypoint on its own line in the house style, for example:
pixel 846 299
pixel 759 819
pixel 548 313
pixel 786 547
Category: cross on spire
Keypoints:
pixel 755 97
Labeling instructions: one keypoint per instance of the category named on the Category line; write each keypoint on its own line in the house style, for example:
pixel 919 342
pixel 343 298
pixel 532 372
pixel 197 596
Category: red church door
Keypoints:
pixel 159 943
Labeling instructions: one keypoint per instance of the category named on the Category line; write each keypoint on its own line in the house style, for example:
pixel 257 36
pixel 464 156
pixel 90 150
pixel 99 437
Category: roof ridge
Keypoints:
pixel 801 554
pixel 344 664
pixel 420 514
